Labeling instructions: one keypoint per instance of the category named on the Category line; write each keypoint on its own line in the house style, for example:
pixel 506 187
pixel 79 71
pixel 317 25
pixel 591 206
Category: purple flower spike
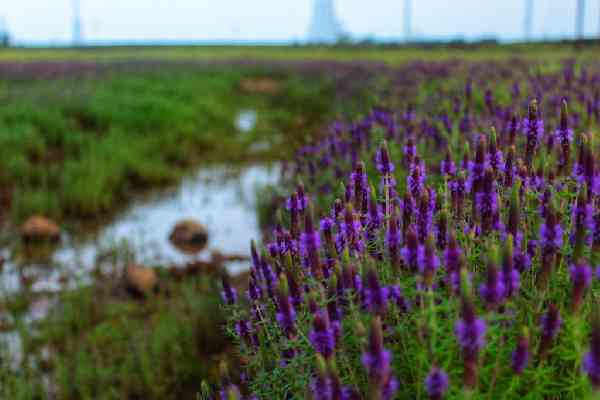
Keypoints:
pixel 396 295
pixel 382 161
pixel 520 357
pixel 493 290
pixel 470 332
pixel 322 336
pixel 447 166
pixel 564 135
pixel 436 383
pixel 310 243
pixel 286 315
pixel 415 181
pixel 550 324
pixel 229 293
pixel 551 242
pixel 428 263
pixel 393 237
pixel 411 253
pixel 591 361
pixel 376 296
pixel 533 128
pixel 377 361
pixel 581 276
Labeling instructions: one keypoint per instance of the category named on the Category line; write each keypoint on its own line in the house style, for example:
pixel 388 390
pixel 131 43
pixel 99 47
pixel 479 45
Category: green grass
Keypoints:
pixel 389 54
pixel 100 343
pixel 75 148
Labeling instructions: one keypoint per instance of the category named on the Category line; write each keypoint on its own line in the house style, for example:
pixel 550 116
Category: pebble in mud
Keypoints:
pixel 140 280
pixel 40 229
pixel 189 236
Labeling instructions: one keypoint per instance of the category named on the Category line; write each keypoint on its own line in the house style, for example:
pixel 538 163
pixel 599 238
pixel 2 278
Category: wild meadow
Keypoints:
pixel 443 244
pixel 434 232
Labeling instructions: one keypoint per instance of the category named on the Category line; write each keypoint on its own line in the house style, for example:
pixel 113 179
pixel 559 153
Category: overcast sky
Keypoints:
pixel 276 20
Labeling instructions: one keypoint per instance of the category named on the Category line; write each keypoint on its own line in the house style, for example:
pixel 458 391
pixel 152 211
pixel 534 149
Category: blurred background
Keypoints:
pixel 90 22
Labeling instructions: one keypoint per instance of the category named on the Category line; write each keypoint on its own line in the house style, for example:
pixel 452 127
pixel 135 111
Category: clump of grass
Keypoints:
pixel 98 342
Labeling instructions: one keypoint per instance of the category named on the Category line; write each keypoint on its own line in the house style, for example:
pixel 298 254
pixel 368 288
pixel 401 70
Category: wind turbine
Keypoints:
pixel 579 19
pixel 528 20
pixel 77 35
pixel 407 20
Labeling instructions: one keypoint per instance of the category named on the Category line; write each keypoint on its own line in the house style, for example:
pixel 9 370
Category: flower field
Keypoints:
pixel 443 244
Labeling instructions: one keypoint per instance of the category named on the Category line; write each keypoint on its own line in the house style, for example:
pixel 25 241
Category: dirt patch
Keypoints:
pixel 261 86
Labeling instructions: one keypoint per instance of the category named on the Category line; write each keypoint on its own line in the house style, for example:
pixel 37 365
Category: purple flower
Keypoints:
pixel 493 290
pixel 244 330
pixel 321 388
pixel 520 357
pixel 550 324
pixel 393 237
pixel 510 275
pixel 411 253
pixel 486 201
pixel 375 296
pixel 254 290
pixel 322 336
pixel 470 333
pixel 230 392
pixel 591 360
pixel 382 161
pixel 551 237
pixel 429 262
pixel 496 160
pixel 436 383
pixel 229 293
pixel 564 135
pixel 581 275
pixel 447 166
pixel 477 168
pixel 377 361
pixel 452 255
pixel 470 330
pixel 395 293
pixel 424 214
pixel 360 183
pixel 533 129
pixel 286 315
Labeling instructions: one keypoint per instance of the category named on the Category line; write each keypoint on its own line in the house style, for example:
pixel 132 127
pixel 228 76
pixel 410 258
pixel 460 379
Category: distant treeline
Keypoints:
pixel 455 43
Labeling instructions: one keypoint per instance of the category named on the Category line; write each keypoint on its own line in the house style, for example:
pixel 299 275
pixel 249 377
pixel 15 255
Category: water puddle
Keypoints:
pixel 246 120
pixel 221 198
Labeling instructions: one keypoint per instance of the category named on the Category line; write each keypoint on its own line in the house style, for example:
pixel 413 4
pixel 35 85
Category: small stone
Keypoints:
pixel 141 280
pixel 40 229
pixel 189 236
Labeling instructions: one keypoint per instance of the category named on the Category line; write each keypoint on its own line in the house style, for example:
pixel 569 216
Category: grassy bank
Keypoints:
pixel 389 54
pixel 74 147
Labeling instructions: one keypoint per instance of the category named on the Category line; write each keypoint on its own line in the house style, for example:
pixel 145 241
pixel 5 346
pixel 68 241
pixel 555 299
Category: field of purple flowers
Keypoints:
pixel 443 245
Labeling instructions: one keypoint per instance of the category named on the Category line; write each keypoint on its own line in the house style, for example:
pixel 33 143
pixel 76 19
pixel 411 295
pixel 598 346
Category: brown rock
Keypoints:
pixel 141 280
pixel 262 85
pixel 40 229
pixel 189 236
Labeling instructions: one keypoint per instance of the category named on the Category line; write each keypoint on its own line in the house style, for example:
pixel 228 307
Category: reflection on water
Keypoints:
pixel 246 120
pixel 222 198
